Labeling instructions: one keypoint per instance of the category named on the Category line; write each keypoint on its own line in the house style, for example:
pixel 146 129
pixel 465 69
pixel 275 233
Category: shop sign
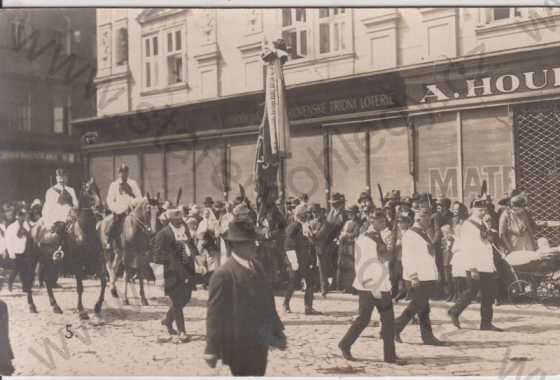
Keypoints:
pixel 10 155
pixel 444 181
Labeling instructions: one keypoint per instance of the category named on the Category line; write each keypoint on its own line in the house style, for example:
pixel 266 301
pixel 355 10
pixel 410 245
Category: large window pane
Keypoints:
pixel 304 170
pixel 147 47
pixel 300 15
pixel 324 38
pixel 180 173
pixel 153 173
pixel 169 42
pixel 286 16
pixel 303 39
pixel 348 163
pixel 101 169
pixel 178 42
pixel 242 167
pixel 209 171
pixel 155 43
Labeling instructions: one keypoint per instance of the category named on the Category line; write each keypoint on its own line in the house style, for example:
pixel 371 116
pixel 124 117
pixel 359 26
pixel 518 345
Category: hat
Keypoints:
pixel 337 198
pixel 300 211
pixel 479 203
pixel 354 209
pixel 60 172
pixel 241 213
pixel 406 201
pixel 377 213
pixel 219 205
pixel 240 231
pixel 123 168
pixel 208 201
pixel 315 208
pixel 174 214
pixel 423 211
pixel 518 200
pixel 364 195
pixel 36 203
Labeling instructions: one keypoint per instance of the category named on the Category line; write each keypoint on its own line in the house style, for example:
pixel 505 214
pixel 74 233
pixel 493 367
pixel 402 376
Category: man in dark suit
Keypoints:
pixel 174 248
pixel 241 322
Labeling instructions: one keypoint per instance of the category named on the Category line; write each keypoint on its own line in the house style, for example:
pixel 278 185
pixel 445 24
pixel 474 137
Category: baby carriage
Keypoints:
pixel 536 276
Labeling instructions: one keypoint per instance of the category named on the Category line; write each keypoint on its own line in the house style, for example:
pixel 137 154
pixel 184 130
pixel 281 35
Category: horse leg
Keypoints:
pixel 27 282
pixel 112 268
pixel 126 279
pixel 50 270
pixel 103 277
pixel 80 288
pixel 142 293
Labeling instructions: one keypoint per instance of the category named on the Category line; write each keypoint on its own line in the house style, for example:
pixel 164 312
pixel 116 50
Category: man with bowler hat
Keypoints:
pixel 374 289
pixel 419 269
pixel 241 322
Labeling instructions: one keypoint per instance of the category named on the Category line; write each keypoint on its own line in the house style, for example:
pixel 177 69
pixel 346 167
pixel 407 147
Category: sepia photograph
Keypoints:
pixel 280 191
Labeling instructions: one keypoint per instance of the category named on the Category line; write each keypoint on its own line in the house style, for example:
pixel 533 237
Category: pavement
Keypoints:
pixel 129 340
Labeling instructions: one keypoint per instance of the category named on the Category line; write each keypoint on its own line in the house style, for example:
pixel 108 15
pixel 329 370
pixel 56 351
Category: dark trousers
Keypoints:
pixel 295 279
pixel 254 364
pixel 6 353
pixel 487 285
pixel 22 266
pixel 323 263
pixel 384 305
pixel 179 299
pixel 419 305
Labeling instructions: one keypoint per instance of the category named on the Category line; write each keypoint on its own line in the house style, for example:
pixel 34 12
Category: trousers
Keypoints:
pixel 419 305
pixel 295 278
pixel 366 303
pixel 487 285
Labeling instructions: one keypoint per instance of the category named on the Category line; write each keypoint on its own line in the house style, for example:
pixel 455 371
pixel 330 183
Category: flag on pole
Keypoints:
pixel 273 143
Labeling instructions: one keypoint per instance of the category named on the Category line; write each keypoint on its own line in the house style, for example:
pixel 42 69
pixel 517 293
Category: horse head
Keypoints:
pixel 146 210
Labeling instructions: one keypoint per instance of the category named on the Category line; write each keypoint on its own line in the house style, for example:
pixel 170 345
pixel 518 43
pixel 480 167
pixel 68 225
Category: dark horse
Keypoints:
pixel 80 244
pixel 132 246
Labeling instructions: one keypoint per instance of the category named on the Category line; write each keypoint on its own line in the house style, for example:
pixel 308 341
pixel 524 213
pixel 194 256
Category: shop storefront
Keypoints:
pixel 442 128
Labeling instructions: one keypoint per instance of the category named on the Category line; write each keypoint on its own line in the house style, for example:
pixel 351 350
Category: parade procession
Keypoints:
pixel 196 228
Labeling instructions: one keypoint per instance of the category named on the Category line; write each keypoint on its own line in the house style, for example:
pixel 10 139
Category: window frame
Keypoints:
pixel 298 27
pixel 63 130
pixel 333 21
pixel 150 56
pixel 177 51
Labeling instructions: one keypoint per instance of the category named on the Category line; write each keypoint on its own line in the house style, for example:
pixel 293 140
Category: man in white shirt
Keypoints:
pixel 374 288
pixel 419 268
pixel 18 240
pixel 476 240
pixel 60 199
pixel 120 196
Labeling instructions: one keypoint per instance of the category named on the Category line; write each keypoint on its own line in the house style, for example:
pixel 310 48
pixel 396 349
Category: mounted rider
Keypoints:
pixel 60 201
pixel 120 197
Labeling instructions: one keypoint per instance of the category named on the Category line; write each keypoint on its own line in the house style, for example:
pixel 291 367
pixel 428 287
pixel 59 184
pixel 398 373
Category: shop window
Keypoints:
pixel 20 118
pixel 175 59
pixel 18 32
pixel 332 30
pixel 150 67
pixel 296 31
pixel 59 120
pixel 122 47
pixel 62 41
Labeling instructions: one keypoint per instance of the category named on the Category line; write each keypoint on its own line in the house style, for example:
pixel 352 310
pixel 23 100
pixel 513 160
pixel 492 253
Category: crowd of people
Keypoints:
pixel 416 248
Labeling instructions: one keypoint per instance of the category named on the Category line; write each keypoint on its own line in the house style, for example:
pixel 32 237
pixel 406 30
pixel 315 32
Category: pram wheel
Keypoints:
pixel 551 303
pixel 520 293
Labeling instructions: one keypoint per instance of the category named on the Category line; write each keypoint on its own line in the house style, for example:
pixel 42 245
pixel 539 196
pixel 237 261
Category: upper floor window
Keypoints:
pixel 121 47
pixel 150 57
pixel 18 32
pixel 312 33
pixel 503 13
pixel 175 48
pixel 296 31
pixel 63 41
pixel 20 118
pixel 59 120
pixel 332 30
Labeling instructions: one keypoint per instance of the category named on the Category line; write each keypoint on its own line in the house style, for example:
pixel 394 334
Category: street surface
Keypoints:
pixel 129 340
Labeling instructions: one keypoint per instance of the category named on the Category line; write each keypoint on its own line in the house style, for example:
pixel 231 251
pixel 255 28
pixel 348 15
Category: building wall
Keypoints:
pixel 222 47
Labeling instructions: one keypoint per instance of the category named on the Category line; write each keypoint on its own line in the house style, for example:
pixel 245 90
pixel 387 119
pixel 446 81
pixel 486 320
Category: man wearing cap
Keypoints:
pixel 476 240
pixel 319 234
pixel 374 288
pixel 121 194
pixel 419 269
pixel 176 249
pixel 60 199
pixel 241 320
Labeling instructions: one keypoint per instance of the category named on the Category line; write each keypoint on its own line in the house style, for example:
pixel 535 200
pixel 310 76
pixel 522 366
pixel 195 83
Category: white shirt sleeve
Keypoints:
pixel 112 196
pixel 51 197
pixel 14 244
pixel 408 250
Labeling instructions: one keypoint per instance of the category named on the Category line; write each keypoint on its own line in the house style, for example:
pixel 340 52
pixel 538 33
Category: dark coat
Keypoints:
pixel 241 315
pixel 320 230
pixel 296 241
pixel 176 267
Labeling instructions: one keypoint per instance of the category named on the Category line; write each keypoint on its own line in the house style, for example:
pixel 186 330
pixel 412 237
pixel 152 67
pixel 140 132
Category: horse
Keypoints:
pixel 132 246
pixel 81 246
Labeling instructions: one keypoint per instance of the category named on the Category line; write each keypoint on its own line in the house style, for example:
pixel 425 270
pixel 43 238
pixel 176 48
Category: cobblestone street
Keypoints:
pixel 129 340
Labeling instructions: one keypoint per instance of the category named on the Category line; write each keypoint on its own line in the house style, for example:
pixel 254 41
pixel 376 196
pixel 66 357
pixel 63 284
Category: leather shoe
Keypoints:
pixel 346 354
pixel 398 337
pixel 311 311
pixel 169 327
pixel 491 328
pixel 454 319
pixel 433 341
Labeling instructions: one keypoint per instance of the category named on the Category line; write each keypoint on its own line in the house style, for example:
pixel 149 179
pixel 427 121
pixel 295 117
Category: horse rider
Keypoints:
pixel 120 196
pixel 60 200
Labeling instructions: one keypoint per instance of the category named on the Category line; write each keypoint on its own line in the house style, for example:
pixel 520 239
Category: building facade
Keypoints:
pixel 45 62
pixel 416 99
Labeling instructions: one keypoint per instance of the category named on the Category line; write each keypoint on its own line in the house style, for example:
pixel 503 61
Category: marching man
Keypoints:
pixel 121 194
pixel 60 199
pixel 476 241
pixel 419 268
